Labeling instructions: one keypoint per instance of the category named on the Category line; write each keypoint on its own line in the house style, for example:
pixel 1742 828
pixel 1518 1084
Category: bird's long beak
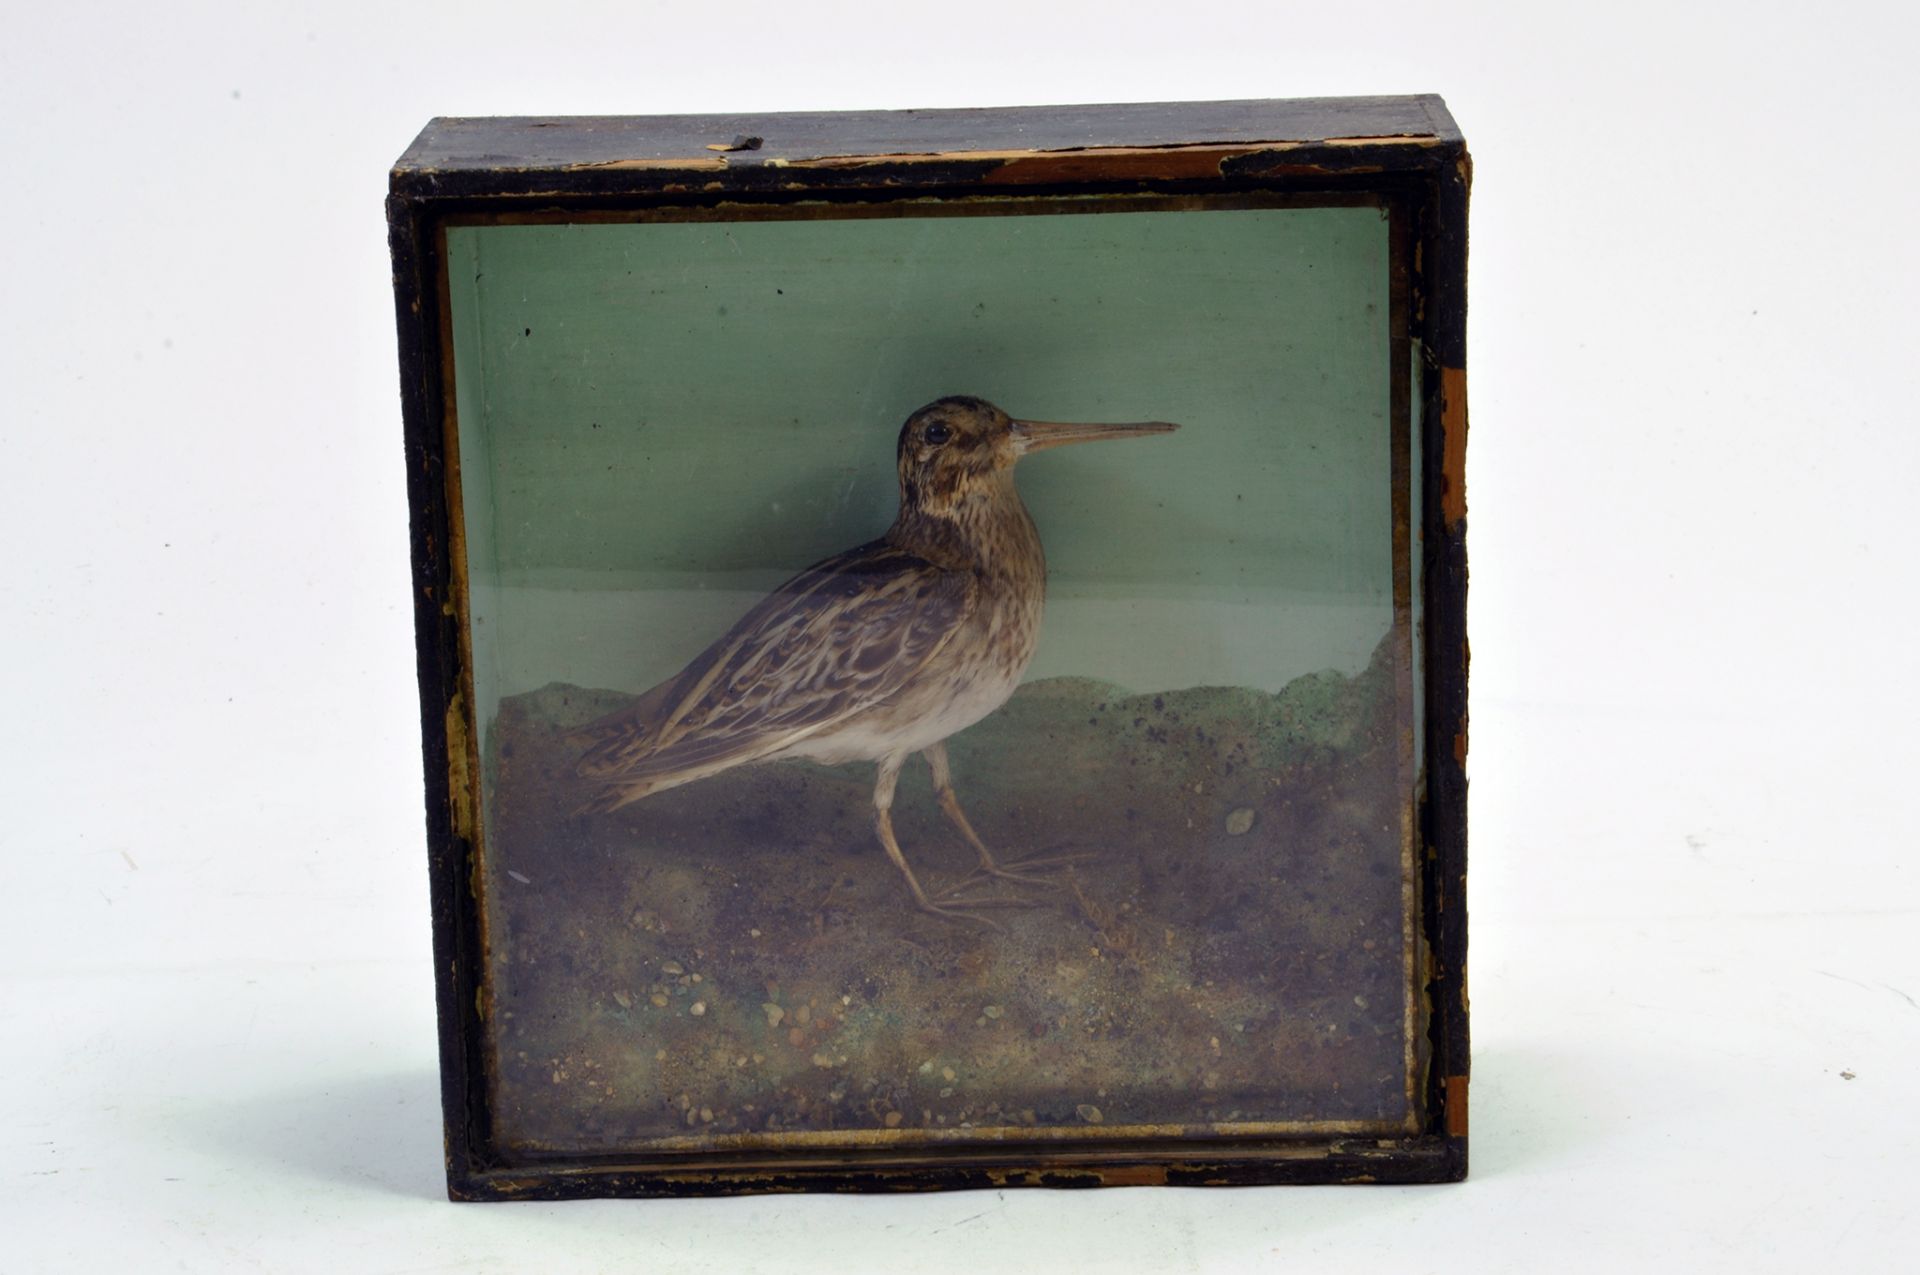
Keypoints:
pixel 1037 436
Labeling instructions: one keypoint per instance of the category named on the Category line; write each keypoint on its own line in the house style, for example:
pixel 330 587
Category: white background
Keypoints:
pixel 1695 959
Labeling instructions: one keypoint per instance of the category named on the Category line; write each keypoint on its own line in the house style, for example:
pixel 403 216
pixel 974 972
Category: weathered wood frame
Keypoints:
pixel 1405 152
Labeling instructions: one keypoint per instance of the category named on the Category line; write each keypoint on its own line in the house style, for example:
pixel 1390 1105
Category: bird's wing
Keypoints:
pixel 836 639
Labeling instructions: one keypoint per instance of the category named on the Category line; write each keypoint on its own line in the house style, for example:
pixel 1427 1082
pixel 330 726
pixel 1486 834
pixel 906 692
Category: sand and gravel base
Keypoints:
pixel 737 957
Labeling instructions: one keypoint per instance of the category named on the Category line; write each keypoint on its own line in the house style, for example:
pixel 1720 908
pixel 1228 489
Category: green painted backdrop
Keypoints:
pixel 661 421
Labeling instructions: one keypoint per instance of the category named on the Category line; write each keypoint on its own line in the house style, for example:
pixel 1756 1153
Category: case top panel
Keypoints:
pixel 450 149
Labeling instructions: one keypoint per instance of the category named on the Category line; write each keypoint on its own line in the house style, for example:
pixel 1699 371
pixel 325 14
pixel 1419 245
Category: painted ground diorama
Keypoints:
pixel 736 956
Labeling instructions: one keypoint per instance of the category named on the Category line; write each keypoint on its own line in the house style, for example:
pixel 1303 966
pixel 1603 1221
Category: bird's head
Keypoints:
pixel 955 448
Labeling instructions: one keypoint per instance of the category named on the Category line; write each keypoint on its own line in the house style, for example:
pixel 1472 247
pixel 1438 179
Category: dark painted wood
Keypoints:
pixel 1313 150
pixel 1443 332
pixel 458 957
pixel 490 145
pixel 598 157
pixel 1372 1163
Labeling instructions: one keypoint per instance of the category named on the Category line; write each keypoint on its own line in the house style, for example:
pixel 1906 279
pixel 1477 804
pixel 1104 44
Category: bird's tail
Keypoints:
pixel 609 796
pixel 613 745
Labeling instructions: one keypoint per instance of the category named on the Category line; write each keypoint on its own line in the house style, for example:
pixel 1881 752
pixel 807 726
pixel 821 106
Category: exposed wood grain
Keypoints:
pixel 492 144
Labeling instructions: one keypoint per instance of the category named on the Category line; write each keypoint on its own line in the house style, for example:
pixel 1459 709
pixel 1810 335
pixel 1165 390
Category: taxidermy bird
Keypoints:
pixel 876 653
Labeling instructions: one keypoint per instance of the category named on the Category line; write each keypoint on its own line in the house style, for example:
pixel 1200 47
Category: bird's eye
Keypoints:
pixel 938 433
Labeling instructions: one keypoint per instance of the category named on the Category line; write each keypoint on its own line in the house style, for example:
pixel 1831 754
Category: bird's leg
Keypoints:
pixel 883 824
pixel 936 756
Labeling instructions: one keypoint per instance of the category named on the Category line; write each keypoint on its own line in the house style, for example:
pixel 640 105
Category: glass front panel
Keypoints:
pixel 1168 883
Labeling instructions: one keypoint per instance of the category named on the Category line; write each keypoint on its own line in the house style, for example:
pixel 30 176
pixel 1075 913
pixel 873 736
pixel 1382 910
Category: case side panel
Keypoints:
pixel 1442 326
pixel 442 712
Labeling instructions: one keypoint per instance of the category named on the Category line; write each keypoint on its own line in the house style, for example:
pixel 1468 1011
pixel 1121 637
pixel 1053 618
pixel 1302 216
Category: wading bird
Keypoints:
pixel 876 653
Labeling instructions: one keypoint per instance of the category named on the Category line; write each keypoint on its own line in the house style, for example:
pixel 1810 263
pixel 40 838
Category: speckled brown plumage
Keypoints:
pixel 876 653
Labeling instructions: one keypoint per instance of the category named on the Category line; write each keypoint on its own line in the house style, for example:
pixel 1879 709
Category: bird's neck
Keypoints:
pixel 985 528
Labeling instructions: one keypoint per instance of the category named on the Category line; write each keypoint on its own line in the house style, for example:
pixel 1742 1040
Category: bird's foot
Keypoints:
pixel 963 901
pixel 1041 870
